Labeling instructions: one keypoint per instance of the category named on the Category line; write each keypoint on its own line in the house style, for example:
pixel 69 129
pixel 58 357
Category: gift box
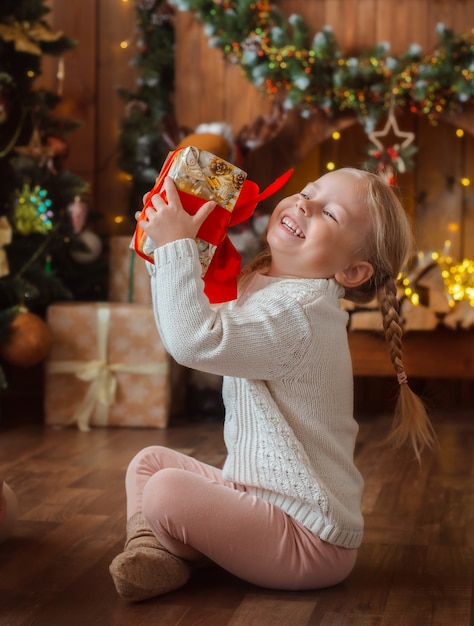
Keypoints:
pixel 129 280
pixel 107 367
pixel 205 176
pixel 201 176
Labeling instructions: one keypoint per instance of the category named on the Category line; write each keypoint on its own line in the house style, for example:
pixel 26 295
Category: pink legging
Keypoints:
pixel 195 514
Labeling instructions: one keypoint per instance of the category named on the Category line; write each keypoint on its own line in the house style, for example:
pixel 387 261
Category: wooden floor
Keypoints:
pixel 415 566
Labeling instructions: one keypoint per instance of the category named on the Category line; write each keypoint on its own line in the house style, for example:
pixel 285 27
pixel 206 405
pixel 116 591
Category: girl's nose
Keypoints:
pixel 304 206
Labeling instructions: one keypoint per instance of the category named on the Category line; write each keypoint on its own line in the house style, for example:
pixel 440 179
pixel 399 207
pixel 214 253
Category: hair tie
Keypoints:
pixel 402 378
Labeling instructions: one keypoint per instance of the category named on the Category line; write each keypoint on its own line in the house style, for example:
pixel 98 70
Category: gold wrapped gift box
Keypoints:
pixel 107 367
pixel 208 177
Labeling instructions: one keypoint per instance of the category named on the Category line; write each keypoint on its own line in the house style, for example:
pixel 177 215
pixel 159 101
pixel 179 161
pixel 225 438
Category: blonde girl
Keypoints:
pixel 284 512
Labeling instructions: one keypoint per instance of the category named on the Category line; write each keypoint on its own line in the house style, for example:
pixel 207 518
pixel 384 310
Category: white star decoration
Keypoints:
pixel 391 124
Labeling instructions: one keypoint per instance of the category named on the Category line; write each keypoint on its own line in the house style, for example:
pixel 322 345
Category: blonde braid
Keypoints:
pixel 387 297
pixel 411 422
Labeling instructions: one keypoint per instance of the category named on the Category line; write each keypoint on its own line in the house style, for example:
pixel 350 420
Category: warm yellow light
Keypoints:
pixel 465 182
pixel 330 165
pixel 124 44
pixel 30 74
pixel 459 132
pixel 119 219
pixel 453 227
pixel 336 135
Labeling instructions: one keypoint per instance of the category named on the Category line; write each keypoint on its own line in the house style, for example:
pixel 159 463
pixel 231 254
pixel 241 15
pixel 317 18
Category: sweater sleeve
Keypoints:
pixel 263 338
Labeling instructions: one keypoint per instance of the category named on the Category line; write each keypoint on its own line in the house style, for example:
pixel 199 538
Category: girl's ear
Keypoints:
pixel 355 275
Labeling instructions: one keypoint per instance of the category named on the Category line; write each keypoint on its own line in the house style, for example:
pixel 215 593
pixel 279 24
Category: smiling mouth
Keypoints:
pixel 292 227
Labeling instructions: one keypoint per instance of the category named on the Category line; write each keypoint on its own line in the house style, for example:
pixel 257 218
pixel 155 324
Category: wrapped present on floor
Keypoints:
pixel 129 280
pixel 107 367
pixel 201 176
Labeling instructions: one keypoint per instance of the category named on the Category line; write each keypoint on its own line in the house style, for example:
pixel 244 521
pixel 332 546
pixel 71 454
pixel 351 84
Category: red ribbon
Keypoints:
pixel 220 279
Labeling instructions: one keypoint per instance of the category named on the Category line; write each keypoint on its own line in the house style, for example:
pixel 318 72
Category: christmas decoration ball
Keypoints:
pixel 77 211
pixel 92 242
pixel 28 341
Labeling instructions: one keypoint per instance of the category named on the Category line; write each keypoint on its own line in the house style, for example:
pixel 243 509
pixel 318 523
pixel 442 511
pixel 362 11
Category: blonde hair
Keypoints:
pixel 388 243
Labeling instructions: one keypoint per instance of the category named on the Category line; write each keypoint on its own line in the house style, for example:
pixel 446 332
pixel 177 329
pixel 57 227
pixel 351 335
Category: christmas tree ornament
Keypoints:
pixel 32 211
pixel 395 158
pixel 36 150
pixel 89 248
pixel 27 36
pixel 57 147
pixel 28 340
pixel 77 211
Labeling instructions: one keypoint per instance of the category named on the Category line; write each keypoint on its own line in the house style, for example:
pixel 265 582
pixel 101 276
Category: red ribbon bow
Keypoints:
pixel 220 279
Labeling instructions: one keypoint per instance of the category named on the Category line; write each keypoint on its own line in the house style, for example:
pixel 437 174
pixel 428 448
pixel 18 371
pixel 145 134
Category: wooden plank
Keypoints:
pixel 342 16
pixel 414 566
pixel 468 199
pixel 439 169
pixel 190 81
pixel 457 15
pixel 442 353
pixel 116 24
pixel 93 71
pixel 77 20
pixel 313 13
pixel 210 89
pixel 403 23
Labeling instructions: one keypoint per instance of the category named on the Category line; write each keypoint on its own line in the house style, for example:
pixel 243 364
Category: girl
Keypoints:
pixel 285 510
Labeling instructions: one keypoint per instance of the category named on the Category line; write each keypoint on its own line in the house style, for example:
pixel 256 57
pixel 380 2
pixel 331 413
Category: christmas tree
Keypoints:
pixel 43 207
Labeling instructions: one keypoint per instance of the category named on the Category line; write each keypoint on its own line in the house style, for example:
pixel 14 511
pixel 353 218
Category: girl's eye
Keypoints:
pixel 305 195
pixel 329 214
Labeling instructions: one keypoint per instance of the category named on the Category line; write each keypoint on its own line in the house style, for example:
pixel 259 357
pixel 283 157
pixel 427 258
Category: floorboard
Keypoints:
pixel 415 568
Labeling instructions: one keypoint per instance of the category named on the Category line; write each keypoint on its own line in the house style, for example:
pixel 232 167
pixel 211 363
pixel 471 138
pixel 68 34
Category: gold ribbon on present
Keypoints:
pixel 100 374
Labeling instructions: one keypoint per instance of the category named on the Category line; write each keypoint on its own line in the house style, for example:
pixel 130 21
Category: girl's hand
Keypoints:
pixel 168 221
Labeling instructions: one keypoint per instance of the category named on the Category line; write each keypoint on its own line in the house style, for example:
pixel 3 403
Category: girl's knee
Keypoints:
pixel 164 492
pixel 145 461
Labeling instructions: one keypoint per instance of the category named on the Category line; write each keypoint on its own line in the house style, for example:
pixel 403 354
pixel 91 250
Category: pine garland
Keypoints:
pixel 310 73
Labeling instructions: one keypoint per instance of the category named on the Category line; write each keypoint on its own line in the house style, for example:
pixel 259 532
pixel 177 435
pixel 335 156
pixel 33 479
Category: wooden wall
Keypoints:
pixel 93 71
pixel 207 89
pixel 357 24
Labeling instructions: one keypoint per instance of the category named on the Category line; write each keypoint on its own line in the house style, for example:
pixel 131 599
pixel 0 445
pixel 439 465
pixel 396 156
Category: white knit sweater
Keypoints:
pixel 288 388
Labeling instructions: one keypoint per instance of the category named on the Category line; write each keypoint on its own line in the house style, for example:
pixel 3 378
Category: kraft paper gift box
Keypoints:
pixel 107 367
pixel 129 280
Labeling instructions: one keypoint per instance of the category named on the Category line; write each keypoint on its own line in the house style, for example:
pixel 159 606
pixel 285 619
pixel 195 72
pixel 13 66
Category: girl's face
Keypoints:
pixel 320 232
